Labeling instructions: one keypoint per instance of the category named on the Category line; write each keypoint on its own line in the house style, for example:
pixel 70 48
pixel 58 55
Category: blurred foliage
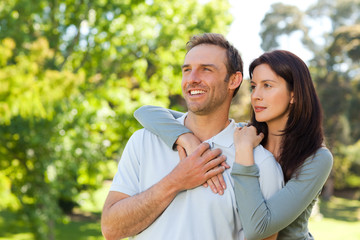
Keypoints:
pixel 335 69
pixel 348 168
pixel 71 74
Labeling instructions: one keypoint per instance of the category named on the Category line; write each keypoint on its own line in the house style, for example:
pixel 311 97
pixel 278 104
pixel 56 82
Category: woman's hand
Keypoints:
pixel 245 140
pixel 247 137
pixel 190 142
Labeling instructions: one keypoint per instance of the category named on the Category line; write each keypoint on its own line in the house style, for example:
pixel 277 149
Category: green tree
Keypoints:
pixel 334 66
pixel 71 74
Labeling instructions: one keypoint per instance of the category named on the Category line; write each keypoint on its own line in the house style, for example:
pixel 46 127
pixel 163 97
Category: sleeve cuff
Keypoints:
pixel 239 169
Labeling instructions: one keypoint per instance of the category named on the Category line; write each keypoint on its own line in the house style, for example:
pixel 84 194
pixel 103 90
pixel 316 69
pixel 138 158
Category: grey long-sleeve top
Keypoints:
pixel 286 212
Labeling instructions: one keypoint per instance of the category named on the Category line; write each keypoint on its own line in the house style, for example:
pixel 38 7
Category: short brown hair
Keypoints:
pixel 234 62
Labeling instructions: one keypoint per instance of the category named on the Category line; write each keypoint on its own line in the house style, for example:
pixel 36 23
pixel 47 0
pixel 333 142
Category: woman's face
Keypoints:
pixel 270 97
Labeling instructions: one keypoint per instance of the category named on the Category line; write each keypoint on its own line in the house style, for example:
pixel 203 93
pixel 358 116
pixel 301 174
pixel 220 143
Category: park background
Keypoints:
pixel 72 72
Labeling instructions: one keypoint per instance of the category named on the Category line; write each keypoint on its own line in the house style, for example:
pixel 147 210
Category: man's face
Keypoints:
pixel 203 83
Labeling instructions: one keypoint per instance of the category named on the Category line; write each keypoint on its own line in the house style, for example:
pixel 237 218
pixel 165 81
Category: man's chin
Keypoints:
pixel 198 110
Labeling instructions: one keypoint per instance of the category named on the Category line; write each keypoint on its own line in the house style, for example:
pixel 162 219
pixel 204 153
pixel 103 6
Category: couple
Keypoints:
pixel 157 192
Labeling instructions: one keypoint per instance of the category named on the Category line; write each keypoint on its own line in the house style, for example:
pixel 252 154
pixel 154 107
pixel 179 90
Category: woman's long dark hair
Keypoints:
pixel 303 134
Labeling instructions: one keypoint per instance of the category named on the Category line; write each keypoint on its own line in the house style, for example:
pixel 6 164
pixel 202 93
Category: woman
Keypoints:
pixel 287 112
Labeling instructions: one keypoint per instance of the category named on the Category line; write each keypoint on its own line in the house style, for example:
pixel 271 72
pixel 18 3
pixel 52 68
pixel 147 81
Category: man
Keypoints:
pixel 156 195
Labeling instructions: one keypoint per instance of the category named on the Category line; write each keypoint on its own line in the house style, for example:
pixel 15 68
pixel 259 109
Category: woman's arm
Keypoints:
pixel 246 139
pixel 162 122
pixel 262 218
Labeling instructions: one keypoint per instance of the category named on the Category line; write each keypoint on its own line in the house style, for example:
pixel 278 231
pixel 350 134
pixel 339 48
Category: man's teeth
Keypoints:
pixel 196 92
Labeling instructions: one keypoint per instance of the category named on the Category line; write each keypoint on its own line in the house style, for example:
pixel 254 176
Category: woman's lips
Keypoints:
pixel 259 108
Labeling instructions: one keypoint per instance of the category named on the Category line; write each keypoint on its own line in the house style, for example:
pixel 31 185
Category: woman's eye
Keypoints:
pixel 267 85
pixel 252 88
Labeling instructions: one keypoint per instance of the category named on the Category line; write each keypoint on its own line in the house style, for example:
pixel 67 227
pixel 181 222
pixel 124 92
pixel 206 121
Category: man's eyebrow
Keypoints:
pixel 203 65
pixel 209 65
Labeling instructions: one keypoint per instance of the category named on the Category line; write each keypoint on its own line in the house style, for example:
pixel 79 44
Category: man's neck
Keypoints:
pixel 206 126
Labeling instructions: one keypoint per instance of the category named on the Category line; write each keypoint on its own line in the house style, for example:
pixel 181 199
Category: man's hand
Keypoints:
pixel 198 167
pixel 190 142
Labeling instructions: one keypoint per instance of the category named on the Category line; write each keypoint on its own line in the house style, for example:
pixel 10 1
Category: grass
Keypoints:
pixel 83 225
pixel 341 220
pixel 80 228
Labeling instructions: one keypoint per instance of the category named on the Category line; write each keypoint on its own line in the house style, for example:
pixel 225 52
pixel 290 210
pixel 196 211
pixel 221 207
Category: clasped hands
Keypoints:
pixel 201 165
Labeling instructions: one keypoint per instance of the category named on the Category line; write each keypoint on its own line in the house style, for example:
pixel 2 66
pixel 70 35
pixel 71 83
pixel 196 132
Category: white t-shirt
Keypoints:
pixel 197 213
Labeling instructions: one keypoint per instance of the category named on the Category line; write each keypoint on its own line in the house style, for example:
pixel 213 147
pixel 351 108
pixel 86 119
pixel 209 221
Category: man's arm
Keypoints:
pixel 125 215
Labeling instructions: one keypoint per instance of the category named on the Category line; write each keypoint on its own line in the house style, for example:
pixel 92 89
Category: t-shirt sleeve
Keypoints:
pixel 262 218
pixel 162 122
pixel 126 179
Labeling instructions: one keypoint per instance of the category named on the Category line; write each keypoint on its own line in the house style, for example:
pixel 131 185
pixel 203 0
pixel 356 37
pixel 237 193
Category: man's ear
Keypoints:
pixel 235 80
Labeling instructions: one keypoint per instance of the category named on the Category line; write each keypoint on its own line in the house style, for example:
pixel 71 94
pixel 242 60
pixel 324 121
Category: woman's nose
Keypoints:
pixel 256 94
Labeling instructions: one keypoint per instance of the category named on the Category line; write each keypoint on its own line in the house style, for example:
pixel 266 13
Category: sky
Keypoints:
pixel 245 29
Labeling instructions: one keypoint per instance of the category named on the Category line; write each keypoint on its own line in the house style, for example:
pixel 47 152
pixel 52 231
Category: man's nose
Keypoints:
pixel 194 76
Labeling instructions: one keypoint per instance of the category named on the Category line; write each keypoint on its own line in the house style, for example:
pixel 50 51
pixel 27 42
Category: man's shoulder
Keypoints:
pixel 142 134
pixel 261 154
pixel 144 137
pixel 264 158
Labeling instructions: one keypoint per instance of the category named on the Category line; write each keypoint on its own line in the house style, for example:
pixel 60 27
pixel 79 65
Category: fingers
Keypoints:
pixel 217 183
pixel 215 162
pixel 261 135
pixel 211 154
pixel 222 181
pixel 203 147
pixel 212 185
pixel 224 164
pixel 250 130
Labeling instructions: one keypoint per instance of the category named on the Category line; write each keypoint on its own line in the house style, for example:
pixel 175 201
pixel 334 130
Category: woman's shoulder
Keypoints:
pixel 324 153
pixel 322 158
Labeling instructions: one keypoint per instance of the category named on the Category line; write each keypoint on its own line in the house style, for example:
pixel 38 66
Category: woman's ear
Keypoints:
pixel 292 98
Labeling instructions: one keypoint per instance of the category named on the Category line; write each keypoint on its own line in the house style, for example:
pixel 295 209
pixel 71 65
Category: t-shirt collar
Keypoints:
pixel 225 138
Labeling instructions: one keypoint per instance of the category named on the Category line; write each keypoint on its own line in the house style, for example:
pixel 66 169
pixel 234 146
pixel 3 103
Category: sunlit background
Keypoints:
pixel 73 72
